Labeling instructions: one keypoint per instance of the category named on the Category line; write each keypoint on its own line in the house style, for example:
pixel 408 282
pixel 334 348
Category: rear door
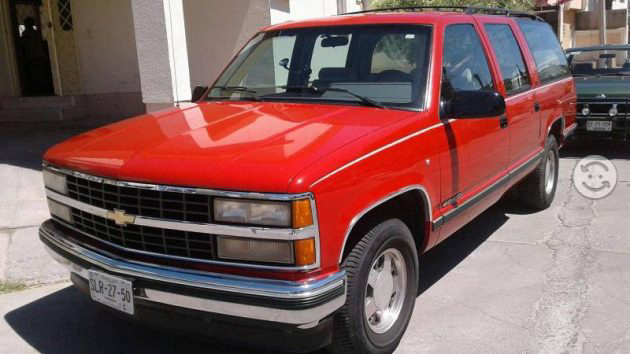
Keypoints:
pixel 555 92
pixel 478 148
pixel 523 111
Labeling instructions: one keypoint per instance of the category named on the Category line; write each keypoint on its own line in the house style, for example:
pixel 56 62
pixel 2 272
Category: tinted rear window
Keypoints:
pixel 548 55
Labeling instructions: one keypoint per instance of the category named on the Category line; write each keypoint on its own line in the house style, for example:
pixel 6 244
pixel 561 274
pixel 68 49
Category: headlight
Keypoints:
pixel 55 181
pixel 613 110
pixel 296 214
pixel 298 252
pixel 247 249
pixel 60 210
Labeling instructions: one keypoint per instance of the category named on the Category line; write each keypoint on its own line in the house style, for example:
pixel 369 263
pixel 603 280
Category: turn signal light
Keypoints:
pixel 304 252
pixel 302 213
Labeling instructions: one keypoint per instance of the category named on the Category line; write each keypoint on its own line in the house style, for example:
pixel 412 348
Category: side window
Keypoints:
pixel 548 55
pixel 510 58
pixel 464 65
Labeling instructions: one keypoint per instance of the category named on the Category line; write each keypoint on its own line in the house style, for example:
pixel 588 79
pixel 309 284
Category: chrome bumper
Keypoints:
pixel 302 304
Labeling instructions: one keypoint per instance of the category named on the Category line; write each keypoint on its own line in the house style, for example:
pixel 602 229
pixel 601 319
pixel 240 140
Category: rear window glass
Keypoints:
pixel 548 55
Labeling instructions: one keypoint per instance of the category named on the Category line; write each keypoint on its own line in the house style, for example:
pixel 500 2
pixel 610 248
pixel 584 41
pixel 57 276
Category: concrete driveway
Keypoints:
pixel 511 281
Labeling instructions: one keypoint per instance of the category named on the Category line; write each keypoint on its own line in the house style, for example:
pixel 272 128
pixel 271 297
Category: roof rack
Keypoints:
pixel 470 10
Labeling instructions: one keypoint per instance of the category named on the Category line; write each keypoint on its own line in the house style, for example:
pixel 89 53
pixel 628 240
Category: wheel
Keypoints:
pixel 538 189
pixel 382 284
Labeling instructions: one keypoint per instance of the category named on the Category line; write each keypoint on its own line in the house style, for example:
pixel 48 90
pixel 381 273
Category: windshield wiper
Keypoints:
pixel 252 93
pixel 367 101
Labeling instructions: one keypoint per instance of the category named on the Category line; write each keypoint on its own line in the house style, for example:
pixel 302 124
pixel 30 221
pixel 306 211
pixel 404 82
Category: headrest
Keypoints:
pixel 337 74
pixel 583 67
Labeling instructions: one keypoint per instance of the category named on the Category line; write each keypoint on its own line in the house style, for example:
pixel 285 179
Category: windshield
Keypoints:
pixel 599 62
pixel 363 65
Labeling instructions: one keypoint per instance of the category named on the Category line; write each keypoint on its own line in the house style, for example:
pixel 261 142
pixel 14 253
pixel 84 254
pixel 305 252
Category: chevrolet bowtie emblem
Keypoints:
pixel 120 218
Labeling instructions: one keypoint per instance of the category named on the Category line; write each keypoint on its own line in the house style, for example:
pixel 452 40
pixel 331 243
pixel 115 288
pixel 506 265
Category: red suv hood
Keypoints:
pixel 220 145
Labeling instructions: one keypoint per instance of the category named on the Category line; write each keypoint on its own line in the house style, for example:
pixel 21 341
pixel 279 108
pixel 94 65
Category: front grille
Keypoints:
pixel 136 201
pixel 600 108
pixel 145 238
pixel 159 204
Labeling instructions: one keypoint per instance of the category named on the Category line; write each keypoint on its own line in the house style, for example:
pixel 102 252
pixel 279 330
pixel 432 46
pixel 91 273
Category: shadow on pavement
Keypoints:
pixel 610 149
pixel 24 144
pixel 441 259
pixel 67 321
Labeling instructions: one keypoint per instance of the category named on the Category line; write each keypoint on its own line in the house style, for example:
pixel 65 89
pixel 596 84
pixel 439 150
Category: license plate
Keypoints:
pixel 599 125
pixel 111 291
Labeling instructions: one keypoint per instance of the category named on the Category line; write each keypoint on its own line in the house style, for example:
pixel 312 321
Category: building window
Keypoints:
pixel 65 15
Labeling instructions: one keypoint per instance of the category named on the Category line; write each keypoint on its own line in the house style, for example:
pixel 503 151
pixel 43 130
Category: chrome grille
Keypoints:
pixel 136 201
pixel 151 203
pixel 145 238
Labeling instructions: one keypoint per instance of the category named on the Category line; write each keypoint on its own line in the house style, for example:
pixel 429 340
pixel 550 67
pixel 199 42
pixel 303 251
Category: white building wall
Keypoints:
pixel 292 10
pixel 216 30
pixel 619 4
pixel 105 40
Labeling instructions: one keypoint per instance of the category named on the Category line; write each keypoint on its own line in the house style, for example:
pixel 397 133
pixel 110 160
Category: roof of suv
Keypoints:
pixel 418 14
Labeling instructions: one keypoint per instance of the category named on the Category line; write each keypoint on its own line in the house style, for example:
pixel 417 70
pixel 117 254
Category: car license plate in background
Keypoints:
pixel 599 125
pixel 111 291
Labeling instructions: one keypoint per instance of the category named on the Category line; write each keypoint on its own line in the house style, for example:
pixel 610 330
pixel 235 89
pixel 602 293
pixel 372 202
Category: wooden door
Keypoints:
pixel 59 32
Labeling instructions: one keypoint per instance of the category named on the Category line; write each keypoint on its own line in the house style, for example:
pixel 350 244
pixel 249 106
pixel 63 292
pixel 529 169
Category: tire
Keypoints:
pixel 539 188
pixel 388 242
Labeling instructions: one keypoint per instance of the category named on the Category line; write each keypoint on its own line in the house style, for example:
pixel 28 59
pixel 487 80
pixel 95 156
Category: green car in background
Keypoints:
pixel 602 78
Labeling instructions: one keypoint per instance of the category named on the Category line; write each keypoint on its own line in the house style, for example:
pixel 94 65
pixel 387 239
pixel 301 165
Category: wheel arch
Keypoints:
pixel 405 204
pixel 556 128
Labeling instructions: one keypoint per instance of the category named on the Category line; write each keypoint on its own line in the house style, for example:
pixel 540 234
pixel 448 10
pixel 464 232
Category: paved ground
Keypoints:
pixel 511 281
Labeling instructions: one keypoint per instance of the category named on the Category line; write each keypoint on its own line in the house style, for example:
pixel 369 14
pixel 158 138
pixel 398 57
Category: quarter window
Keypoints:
pixel 548 55
pixel 464 65
pixel 511 61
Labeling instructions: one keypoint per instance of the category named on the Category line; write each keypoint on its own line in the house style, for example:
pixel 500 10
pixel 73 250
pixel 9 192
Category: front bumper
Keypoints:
pixel 620 128
pixel 296 304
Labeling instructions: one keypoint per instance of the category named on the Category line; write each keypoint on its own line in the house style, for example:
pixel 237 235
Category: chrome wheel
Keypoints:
pixel 385 290
pixel 550 171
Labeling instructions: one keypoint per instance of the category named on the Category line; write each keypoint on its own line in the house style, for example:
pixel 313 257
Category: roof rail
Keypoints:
pixel 471 10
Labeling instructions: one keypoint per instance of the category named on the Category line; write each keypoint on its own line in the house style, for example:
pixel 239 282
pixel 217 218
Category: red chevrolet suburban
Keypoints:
pixel 287 205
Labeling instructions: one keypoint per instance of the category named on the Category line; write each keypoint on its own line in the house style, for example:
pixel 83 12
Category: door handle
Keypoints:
pixel 536 106
pixel 503 121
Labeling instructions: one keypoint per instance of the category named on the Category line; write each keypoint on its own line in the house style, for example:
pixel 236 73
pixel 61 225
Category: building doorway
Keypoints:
pixel 31 48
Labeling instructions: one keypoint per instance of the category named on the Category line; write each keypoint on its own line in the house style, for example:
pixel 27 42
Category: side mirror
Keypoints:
pixel 473 104
pixel 197 93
